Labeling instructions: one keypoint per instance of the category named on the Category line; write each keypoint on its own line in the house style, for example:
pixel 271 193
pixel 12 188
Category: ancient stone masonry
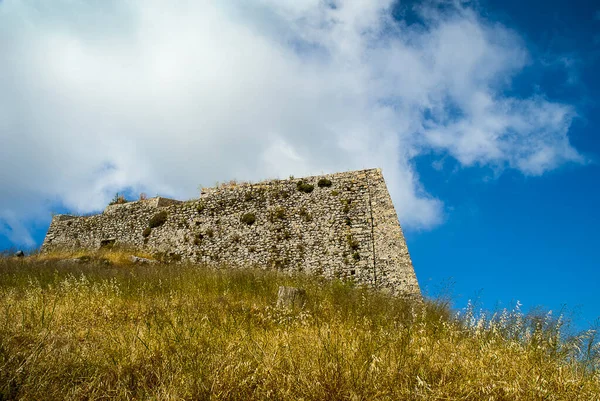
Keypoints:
pixel 338 225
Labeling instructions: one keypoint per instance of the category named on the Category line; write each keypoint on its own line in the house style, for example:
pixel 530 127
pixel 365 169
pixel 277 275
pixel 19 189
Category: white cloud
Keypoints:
pixel 162 96
pixel 14 230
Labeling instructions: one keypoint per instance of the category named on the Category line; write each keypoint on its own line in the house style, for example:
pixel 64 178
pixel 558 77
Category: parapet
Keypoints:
pixel 148 203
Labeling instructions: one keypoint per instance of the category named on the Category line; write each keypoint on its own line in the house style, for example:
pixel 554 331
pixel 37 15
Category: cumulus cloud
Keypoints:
pixel 160 97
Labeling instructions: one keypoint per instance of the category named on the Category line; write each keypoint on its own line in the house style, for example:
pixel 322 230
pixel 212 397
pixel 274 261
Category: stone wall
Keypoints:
pixel 338 225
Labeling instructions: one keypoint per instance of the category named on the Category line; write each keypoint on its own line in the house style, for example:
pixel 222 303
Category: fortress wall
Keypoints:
pixel 348 230
pixel 392 265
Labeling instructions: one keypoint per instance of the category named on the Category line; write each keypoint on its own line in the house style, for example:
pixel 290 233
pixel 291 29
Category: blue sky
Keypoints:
pixel 483 116
pixel 514 237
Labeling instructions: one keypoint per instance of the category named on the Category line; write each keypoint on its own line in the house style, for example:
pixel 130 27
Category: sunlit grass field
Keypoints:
pixel 108 329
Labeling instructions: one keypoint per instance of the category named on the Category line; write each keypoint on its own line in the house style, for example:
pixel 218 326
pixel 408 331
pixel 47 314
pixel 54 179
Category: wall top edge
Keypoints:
pixel 276 181
pixel 161 201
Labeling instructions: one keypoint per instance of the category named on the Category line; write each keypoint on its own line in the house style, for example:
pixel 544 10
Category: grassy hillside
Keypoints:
pixel 111 330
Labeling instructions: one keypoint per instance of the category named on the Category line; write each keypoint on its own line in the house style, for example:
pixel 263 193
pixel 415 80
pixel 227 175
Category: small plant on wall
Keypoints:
pixel 146 233
pixel 346 205
pixel 304 187
pixel 277 214
pixel 248 219
pixel 118 199
pixel 352 243
pixel 305 214
pixel 324 183
pixel 158 220
pixel 198 239
pixel 280 194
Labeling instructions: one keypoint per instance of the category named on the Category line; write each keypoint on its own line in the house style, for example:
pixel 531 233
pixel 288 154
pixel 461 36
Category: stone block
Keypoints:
pixel 291 297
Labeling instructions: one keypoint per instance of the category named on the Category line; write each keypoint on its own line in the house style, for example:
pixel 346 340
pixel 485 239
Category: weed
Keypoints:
pixel 352 243
pixel 324 183
pixel 305 214
pixel 346 205
pixel 158 219
pixel 146 233
pixel 118 200
pixel 304 187
pixel 278 214
pixel 248 218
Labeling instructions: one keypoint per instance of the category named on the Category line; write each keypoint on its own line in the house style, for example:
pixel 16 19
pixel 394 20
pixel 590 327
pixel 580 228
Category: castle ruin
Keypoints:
pixel 340 225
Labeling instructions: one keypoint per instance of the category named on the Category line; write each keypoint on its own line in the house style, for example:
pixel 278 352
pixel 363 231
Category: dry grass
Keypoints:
pixel 183 332
pixel 113 256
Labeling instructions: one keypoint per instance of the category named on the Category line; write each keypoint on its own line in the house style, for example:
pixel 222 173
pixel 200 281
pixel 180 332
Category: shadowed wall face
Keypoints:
pixel 340 225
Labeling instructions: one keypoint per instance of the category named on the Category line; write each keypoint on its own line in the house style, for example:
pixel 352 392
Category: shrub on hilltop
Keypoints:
pixel 118 199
